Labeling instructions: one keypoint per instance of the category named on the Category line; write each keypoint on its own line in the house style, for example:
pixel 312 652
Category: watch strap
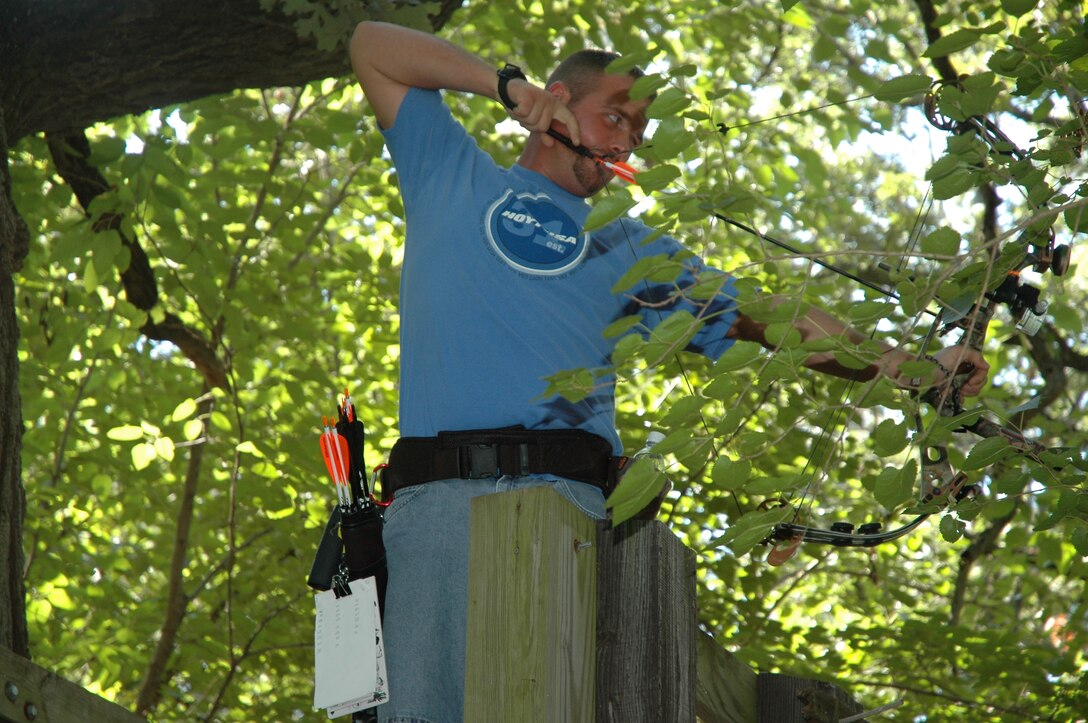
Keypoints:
pixel 507 73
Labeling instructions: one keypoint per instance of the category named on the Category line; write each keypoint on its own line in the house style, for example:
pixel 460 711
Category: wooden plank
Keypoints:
pixel 726 690
pixel 788 699
pixel 531 609
pixel 32 693
pixel 645 625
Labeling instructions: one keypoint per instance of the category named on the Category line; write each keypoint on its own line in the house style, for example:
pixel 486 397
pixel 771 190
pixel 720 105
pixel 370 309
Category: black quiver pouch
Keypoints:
pixel 351 548
pixel 364 551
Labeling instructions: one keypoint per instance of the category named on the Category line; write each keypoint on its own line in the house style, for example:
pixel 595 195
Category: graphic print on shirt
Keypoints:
pixel 534 235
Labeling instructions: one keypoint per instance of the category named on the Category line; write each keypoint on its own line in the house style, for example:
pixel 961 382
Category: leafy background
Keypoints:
pixel 173 510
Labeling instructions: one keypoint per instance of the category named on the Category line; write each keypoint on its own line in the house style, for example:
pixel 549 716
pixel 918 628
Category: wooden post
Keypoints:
pixel 646 629
pixel 531 609
pixel 32 693
pixel 726 692
pixel 787 699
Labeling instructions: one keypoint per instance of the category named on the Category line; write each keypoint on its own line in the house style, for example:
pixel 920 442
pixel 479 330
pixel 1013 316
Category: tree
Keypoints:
pixel 200 248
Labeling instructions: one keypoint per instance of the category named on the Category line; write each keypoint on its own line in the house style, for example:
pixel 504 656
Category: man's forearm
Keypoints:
pixel 818 324
pixel 421 60
pixel 388 59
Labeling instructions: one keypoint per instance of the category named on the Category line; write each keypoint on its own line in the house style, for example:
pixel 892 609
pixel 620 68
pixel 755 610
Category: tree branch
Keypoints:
pixel 176 600
pixel 72 64
pixel 71 151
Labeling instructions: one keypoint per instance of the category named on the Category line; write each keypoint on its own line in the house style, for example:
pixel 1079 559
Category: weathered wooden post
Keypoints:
pixel 531 609
pixel 646 625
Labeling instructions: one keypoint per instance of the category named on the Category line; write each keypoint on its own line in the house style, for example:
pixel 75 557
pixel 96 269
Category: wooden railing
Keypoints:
pixel 32 693
pixel 576 622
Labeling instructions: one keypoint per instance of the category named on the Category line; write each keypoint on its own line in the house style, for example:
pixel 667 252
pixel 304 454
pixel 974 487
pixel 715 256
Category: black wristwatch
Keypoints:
pixel 507 73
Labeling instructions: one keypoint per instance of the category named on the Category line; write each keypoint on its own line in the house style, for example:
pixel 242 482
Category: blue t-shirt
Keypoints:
pixel 500 288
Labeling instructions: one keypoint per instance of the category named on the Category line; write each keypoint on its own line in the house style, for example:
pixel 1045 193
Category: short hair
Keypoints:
pixel 580 69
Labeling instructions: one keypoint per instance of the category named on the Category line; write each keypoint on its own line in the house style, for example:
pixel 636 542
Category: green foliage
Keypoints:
pixel 272 225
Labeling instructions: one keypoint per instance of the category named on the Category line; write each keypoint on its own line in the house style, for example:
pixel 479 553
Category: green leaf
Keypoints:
pixel 987 452
pixel 670 138
pixel 776 485
pixel 622 325
pixel 851 358
pixel 673 442
pixel 672 334
pixel 869 312
pixel 646 86
pixel 951 528
pixel 741 355
pixel 1016 8
pixel 782 335
pixel 730 475
pixel 751 529
pixel 660 268
pixel 574 385
pixel 632 59
pixel 1076 218
pixel 1070 50
pixel 90 276
pixel 184 410
pixel 955 184
pixel 890 438
pixel 164 448
pixel 640 484
pixel 894 487
pixel 608 208
pixel 1079 538
pixel 668 103
pixel 126 433
pixel 956 41
pixel 143 455
pixel 106 150
pixel 942 242
pixel 683 411
pixel 658 177
pixel 192 429
pixel 903 88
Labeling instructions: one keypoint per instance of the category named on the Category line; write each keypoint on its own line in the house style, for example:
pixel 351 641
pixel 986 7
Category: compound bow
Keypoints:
pixel 940 483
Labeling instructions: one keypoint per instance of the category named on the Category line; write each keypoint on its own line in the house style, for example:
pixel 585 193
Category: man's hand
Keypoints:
pixel 536 108
pixel 960 359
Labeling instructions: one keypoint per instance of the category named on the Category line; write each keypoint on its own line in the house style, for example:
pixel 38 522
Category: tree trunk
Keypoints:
pixel 13 249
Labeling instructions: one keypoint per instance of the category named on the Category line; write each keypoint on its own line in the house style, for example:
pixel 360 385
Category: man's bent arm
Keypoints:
pixel 389 59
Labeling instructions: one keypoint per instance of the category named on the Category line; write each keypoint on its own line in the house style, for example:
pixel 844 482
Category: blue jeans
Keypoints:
pixel 426 545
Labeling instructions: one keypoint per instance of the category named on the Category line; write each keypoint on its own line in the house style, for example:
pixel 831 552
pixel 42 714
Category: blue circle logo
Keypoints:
pixel 532 234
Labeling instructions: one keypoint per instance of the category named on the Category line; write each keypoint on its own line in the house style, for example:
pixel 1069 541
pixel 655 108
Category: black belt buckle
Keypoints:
pixel 478 461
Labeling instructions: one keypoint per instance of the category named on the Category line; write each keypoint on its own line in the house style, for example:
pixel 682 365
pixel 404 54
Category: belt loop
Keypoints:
pixel 523 458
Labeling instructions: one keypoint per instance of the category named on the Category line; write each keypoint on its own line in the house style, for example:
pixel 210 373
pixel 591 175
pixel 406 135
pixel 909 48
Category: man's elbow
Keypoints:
pixel 365 46
pixel 360 43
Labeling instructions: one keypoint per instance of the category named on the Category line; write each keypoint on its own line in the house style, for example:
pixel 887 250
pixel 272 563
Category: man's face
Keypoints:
pixel 612 125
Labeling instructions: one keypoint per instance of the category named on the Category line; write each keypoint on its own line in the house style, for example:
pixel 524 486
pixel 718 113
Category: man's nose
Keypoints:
pixel 619 149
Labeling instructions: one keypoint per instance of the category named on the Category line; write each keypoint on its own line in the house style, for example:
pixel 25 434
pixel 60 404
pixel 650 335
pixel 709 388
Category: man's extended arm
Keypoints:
pixel 389 59
pixel 818 324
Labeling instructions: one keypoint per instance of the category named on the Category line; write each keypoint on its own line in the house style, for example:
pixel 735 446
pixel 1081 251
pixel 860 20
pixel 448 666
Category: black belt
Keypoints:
pixel 492 453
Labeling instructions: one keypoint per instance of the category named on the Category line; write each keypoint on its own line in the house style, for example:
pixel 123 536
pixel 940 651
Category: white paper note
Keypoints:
pixel 349 658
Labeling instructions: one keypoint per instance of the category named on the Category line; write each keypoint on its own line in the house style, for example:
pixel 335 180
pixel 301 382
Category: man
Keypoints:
pixel 500 289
